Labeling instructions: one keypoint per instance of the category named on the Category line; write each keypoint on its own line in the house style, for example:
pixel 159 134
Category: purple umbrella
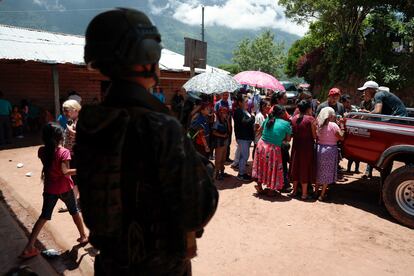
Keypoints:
pixel 259 79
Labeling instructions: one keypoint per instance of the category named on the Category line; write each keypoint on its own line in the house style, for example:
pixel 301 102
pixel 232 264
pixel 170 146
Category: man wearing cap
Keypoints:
pixel 385 102
pixel 144 191
pixel 333 101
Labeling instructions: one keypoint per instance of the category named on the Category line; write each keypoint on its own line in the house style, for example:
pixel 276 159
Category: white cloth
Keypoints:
pixel 258 120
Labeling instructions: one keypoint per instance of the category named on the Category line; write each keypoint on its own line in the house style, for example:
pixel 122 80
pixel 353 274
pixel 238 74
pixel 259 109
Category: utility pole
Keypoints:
pixel 202 23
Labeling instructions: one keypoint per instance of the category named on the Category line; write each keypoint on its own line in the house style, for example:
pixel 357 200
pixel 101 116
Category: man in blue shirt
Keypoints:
pixel 385 102
pixel 159 94
pixel 5 126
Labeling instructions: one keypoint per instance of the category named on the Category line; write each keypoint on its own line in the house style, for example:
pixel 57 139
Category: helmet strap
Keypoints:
pixel 146 73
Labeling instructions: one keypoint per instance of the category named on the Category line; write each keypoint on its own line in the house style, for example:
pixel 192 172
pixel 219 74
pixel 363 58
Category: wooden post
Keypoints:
pixel 192 70
pixel 56 94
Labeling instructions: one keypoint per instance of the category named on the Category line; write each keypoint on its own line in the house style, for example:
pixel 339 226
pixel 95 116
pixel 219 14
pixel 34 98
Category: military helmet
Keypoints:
pixel 121 38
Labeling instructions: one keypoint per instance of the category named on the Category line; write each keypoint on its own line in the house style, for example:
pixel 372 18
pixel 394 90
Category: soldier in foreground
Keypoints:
pixel 145 193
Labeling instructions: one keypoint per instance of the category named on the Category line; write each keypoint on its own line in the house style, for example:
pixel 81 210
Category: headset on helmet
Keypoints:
pixel 117 39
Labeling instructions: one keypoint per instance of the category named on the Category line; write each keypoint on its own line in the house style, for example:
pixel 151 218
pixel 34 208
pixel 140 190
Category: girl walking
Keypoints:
pixel 329 134
pixel 58 184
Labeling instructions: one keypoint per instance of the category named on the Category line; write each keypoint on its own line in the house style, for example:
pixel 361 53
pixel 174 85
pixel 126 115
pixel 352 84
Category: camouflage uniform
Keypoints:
pixel 164 190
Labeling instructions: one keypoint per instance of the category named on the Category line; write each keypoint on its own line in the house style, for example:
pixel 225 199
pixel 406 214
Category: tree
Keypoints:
pixel 261 54
pixel 232 68
pixel 301 47
pixel 351 39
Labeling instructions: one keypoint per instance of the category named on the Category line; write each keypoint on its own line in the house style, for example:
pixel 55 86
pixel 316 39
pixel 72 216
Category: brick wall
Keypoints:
pixel 172 81
pixel 87 83
pixel 33 81
pixel 19 80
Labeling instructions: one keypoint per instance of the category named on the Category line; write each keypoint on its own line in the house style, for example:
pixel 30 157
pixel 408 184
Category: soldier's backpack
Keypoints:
pixel 100 137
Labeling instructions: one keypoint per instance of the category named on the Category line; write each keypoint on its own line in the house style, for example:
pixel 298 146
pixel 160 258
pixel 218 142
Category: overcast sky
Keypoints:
pixel 236 14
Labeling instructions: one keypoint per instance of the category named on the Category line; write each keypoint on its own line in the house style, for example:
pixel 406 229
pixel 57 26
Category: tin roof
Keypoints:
pixel 18 43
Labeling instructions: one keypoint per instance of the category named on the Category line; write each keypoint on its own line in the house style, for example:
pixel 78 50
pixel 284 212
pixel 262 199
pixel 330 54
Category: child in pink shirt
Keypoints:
pixel 58 184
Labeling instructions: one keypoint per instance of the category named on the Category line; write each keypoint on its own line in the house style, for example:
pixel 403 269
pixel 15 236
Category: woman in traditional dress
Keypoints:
pixel 302 169
pixel 329 134
pixel 267 164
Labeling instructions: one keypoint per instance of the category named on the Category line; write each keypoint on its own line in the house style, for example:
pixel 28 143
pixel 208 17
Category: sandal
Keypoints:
pixel 271 193
pixel 322 198
pixel 81 240
pixel 292 195
pixel 27 254
pixel 63 210
pixel 225 174
pixel 305 198
pixel 259 189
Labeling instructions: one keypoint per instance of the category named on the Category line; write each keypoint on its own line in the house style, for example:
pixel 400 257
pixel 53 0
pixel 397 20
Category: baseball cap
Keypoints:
pixel 384 88
pixel 369 84
pixel 334 91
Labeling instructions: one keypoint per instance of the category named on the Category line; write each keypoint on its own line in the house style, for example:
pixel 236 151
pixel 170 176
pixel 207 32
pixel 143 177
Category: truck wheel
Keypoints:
pixel 398 195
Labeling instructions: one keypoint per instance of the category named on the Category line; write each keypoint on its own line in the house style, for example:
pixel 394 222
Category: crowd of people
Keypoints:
pixel 24 117
pixel 17 120
pixel 263 122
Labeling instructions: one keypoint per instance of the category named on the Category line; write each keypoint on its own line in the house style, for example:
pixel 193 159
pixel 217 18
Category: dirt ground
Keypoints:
pixel 350 234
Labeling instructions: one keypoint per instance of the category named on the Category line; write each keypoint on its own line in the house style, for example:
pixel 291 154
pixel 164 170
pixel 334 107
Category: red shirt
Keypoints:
pixel 55 181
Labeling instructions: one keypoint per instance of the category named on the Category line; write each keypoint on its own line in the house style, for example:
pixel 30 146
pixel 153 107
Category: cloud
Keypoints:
pixel 235 14
pixel 50 4
pixel 156 8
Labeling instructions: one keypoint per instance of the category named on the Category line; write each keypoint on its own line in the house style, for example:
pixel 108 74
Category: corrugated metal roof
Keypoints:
pixel 36 45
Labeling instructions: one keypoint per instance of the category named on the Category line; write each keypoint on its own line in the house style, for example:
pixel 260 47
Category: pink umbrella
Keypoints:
pixel 259 79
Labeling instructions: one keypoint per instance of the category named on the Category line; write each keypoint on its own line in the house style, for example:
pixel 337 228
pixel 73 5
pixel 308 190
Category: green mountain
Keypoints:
pixel 73 16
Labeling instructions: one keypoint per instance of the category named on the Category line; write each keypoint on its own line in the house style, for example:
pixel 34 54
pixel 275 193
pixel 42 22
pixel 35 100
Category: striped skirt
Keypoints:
pixel 268 166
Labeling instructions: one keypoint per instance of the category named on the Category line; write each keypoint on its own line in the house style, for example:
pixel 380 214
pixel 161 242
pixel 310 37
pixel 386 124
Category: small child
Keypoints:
pixel 199 130
pixel 17 122
pixel 221 131
pixel 58 184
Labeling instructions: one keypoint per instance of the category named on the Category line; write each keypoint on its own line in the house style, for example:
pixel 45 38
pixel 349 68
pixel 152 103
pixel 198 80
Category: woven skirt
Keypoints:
pixel 326 164
pixel 268 166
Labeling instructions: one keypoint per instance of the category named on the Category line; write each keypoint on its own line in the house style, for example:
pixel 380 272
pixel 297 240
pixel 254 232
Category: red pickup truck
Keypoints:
pixel 379 140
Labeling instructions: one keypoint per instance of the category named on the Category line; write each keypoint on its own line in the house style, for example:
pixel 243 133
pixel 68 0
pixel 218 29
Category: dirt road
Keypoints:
pixel 348 235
